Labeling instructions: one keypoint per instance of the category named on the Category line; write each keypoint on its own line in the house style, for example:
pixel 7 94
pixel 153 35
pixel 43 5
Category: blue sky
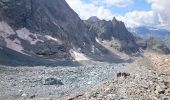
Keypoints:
pixel 133 13
pixel 140 5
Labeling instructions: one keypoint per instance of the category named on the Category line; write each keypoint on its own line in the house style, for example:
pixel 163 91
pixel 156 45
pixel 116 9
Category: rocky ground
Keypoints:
pixel 25 82
pixel 95 81
pixel 146 82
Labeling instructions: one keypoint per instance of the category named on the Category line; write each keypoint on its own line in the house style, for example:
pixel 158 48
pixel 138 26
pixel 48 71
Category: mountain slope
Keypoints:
pixel 157 45
pixel 50 29
pixel 44 28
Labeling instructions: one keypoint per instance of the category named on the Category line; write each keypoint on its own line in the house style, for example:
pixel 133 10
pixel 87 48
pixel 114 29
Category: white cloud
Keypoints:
pixel 115 3
pixel 161 8
pixel 139 18
pixel 86 10
pixel 158 16
pixel 118 3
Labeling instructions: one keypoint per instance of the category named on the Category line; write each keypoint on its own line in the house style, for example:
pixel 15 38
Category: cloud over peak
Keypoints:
pixel 157 16
pixel 86 10
pixel 139 18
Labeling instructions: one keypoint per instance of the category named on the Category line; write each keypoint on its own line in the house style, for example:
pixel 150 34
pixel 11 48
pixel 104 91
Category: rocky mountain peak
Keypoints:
pixel 107 30
pixel 117 23
pixel 114 20
pixel 94 19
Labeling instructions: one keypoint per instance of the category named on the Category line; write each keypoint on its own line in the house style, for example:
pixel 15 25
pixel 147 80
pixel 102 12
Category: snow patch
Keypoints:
pixel 93 49
pixel 14 46
pixel 78 56
pixel 24 34
pixel 97 40
pixel 5 30
pixel 17 41
pixel 52 38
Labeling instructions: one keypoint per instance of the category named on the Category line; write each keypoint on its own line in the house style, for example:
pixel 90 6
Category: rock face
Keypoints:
pixel 48 28
pixel 106 30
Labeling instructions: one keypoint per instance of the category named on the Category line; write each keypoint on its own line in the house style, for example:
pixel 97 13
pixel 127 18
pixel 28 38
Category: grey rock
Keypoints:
pixel 2 42
pixel 167 92
pixel 163 85
pixel 33 96
pixel 24 95
pixel 163 97
pixel 52 81
pixel 167 84
pixel 159 89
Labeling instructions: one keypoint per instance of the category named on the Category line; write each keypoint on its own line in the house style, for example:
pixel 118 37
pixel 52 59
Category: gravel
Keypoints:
pixel 93 81
pixel 40 81
pixel 144 83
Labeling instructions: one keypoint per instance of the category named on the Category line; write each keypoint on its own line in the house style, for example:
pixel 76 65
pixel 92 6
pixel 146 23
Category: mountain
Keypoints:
pixel 151 32
pixel 148 32
pixel 167 41
pixel 93 19
pixel 49 29
pixel 157 45
pixel 107 30
pixel 152 39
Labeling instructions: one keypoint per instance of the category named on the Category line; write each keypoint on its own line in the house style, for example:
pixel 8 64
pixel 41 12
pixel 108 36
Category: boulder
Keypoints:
pixel 52 81
pixel 160 89
pixel 167 92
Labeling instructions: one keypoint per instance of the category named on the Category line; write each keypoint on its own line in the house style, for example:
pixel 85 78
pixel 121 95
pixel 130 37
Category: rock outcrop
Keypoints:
pixel 107 30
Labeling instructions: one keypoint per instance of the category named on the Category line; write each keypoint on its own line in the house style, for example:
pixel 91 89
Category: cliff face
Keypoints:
pixel 47 28
pixel 50 29
pixel 106 30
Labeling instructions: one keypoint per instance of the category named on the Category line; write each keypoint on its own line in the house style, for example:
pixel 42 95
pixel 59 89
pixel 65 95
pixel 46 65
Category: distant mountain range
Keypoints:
pixel 147 32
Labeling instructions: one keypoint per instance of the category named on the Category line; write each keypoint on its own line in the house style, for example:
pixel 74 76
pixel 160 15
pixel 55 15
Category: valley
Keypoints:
pixel 49 52
pixel 93 80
